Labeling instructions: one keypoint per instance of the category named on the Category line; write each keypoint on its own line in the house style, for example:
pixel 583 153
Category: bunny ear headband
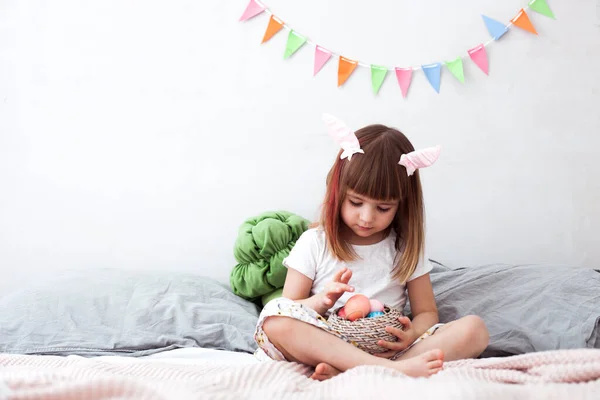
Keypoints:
pixel 348 141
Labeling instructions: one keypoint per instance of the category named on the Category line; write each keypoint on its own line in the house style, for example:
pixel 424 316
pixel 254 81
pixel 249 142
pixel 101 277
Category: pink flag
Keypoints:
pixel 321 57
pixel 253 8
pixel 404 76
pixel 479 57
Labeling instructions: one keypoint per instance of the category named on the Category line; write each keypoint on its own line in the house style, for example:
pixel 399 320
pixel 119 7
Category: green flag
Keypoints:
pixel 378 74
pixel 456 67
pixel 540 6
pixel 294 42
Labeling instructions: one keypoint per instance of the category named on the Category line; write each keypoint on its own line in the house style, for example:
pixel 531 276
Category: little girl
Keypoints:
pixel 370 240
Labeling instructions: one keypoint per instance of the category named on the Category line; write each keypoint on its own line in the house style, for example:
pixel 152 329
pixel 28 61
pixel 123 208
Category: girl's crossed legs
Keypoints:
pixel 301 342
pixel 290 331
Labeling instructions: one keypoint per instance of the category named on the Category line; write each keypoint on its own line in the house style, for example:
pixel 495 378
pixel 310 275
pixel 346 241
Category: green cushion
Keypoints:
pixel 262 244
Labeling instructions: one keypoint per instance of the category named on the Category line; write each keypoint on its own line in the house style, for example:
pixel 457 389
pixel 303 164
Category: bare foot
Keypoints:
pixel 324 371
pixel 425 364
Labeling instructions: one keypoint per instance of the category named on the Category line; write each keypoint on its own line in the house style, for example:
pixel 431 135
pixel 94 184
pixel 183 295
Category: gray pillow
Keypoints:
pixel 526 308
pixel 109 312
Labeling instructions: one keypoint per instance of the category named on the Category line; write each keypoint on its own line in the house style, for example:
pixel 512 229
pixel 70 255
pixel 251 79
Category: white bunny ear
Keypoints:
pixel 343 135
pixel 419 159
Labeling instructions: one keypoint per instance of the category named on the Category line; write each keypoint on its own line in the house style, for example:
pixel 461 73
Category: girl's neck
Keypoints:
pixel 352 238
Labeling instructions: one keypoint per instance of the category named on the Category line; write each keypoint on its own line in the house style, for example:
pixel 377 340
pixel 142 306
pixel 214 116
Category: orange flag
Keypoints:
pixel 522 21
pixel 275 25
pixel 345 68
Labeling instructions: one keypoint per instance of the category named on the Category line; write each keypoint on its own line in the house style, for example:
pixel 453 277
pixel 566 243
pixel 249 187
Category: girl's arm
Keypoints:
pixel 297 287
pixel 422 304
pixel 425 315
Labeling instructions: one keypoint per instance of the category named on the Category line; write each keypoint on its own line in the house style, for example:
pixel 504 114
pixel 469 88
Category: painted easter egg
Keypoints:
pixel 375 314
pixel 357 306
pixel 376 305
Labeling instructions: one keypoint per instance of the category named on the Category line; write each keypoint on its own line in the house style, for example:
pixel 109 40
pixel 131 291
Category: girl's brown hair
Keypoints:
pixel 376 174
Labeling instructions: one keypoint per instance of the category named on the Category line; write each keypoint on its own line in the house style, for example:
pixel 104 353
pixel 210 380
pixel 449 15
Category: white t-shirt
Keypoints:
pixel 371 273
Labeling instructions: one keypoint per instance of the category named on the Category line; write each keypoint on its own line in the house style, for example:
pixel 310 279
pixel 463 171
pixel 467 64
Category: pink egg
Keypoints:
pixel 357 306
pixel 342 313
pixel 376 305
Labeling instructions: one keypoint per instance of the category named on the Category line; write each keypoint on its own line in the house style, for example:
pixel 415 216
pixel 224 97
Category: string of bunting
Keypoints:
pixel 432 72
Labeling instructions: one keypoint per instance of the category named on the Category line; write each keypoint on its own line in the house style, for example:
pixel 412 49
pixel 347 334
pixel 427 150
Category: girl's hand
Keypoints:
pixel 406 337
pixel 336 288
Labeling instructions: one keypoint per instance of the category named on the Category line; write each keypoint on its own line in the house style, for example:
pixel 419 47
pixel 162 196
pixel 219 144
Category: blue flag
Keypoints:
pixel 433 73
pixel 495 28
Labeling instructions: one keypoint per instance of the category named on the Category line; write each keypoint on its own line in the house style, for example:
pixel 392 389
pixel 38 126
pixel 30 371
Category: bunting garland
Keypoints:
pixel 433 71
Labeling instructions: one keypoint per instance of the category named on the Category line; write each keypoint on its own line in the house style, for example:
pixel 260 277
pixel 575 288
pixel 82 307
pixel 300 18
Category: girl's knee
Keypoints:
pixel 474 322
pixel 276 326
pixel 476 331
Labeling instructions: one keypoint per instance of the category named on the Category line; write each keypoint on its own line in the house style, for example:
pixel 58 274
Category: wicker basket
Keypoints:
pixel 366 332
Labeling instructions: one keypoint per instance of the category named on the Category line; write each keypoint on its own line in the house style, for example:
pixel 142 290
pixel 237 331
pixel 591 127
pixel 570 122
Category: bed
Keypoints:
pixel 159 335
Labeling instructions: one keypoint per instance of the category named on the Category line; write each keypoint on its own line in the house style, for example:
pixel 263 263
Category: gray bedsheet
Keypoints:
pixel 526 307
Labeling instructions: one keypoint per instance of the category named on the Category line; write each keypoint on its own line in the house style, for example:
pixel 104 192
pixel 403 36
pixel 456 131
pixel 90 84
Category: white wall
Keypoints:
pixel 140 134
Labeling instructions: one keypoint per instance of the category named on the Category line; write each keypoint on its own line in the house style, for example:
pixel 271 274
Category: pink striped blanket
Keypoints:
pixel 566 374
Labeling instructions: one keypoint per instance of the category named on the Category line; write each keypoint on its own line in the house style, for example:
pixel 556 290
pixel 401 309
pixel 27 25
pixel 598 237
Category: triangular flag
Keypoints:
pixel 275 25
pixel 294 42
pixel 479 57
pixel 321 57
pixel 522 21
pixel 495 28
pixel 456 67
pixel 253 8
pixel 433 72
pixel 378 75
pixel 345 68
pixel 404 76
pixel 540 6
